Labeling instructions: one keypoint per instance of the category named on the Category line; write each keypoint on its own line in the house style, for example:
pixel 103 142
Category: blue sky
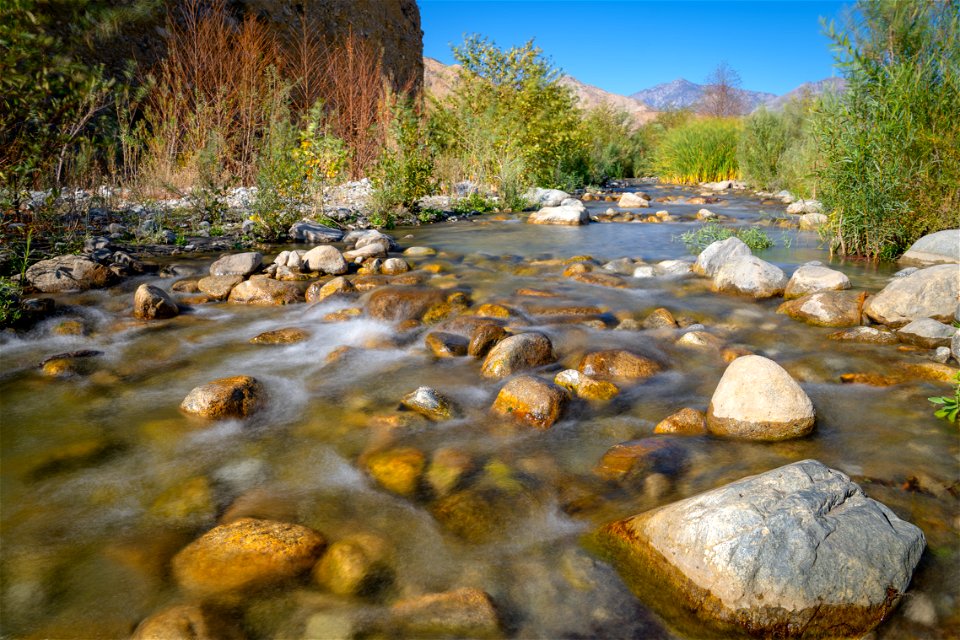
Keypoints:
pixel 624 46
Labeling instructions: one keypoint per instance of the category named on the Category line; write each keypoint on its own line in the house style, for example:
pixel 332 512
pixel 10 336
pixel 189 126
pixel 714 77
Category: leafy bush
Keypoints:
pixel 698 151
pixel 404 171
pixel 474 202
pixel 891 144
pixel 9 302
pixel 617 148
pixel 762 143
pixel 948 406
pixel 709 233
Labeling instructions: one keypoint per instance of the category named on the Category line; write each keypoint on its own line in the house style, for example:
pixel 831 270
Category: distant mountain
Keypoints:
pixel 807 89
pixel 439 80
pixel 683 94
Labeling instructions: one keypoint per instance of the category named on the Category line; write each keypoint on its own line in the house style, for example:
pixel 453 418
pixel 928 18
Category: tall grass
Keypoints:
pixel 700 150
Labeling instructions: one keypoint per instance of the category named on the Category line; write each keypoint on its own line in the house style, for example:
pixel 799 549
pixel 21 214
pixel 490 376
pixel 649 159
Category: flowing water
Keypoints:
pixel 104 480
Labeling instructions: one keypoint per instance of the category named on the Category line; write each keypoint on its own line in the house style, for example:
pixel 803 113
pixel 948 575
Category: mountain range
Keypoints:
pixel 439 79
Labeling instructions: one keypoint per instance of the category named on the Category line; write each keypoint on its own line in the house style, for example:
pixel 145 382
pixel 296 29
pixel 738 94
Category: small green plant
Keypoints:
pixel 9 302
pixel 404 171
pixel 706 235
pixel 948 406
pixel 216 231
pixel 428 215
pixel 475 202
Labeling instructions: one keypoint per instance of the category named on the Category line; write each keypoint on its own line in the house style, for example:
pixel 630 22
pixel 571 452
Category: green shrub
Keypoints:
pixel 709 233
pixel 891 144
pixel 475 202
pixel 9 302
pixel 762 143
pixel 701 150
pixel 404 171
pixel 617 147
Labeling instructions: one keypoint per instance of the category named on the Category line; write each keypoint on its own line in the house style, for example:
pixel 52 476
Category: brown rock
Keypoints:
pixel 464 613
pixel 586 387
pixel 397 470
pixel 356 565
pixel 396 304
pixel 446 345
pixel 600 279
pixel 868 335
pixel 339 286
pixel 219 287
pixel 235 397
pixel 685 422
pixel 660 319
pixel 826 308
pixel 517 353
pixel 246 555
pixel 447 468
pixel 484 337
pixel 69 273
pixel 344 315
pixel 288 335
pixel 188 622
pixel 638 458
pixel 261 290
pixel 617 364
pixel 187 285
pixel 531 400
pixel 153 303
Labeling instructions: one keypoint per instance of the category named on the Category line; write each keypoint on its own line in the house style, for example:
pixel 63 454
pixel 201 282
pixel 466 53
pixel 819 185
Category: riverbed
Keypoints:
pixel 104 479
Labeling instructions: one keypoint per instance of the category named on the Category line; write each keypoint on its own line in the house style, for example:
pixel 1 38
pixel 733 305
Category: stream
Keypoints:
pixel 104 479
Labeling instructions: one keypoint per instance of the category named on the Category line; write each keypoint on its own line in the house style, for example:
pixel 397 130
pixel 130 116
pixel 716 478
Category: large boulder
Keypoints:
pixel 756 399
pixel 150 303
pixel 240 264
pixel 825 309
pixel 632 200
pixel 314 233
pixel 811 278
pixel 246 555
pixel 927 333
pixel 235 397
pixel 397 304
pixel 531 401
pixel 719 253
pixel 325 259
pixel 751 276
pixel 517 353
pixel 68 273
pixel 799 551
pixel 261 290
pixel 935 248
pixel 568 214
pixel 926 293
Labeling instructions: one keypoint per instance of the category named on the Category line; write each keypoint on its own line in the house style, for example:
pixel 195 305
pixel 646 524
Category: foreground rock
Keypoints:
pixel 811 278
pixel 69 273
pixel 218 287
pixel 188 622
pixel 429 403
pixel 235 397
pixel 797 551
pixel 287 335
pixel 618 365
pixel 531 401
pixel 751 276
pixel 245 555
pixel 325 259
pixel 153 303
pixel 926 293
pixel 319 291
pixel 568 214
pixel 239 264
pixel 356 565
pixel 685 422
pixel 825 309
pixel 261 290
pixel 934 248
pixel 464 613
pixel 517 353
pixel 397 304
pixel 756 399
pixel 719 253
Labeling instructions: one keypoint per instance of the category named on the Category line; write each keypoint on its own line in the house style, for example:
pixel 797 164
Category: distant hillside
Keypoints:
pixel 439 79
pixel 808 89
pixel 683 94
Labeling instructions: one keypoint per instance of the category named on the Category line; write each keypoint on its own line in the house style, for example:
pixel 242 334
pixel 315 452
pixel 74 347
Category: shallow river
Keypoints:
pixel 104 479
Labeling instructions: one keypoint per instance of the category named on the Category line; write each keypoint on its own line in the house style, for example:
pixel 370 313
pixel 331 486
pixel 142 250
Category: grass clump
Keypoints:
pixel 701 150
pixel 706 235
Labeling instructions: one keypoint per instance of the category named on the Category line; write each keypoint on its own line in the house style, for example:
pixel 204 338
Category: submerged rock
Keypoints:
pixel 236 397
pixel 245 555
pixel 69 273
pixel 797 551
pixel 756 399
pixel 319 291
pixel 188 622
pixel 287 335
pixel 618 365
pixel 397 304
pixel 867 335
pixel 749 275
pixel 446 345
pixel 926 333
pixel 429 403
pixel 531 401
pixel 397 470
pixel 685 421
pixel 356 565
pixel 517 353
pixel 586 387
pixel 153 303
pixel 926 293
pixel 811 278
pixel 826 308
pixel 464 613
pixel 638 458
pixel 240 264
